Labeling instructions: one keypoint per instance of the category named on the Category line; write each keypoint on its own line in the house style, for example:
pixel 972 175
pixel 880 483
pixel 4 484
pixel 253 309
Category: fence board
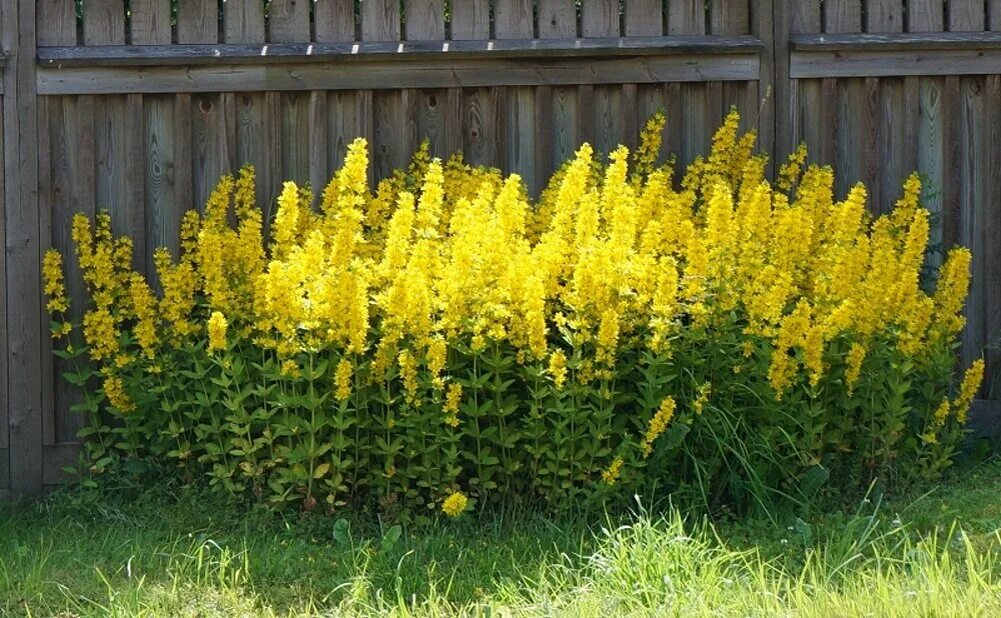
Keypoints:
pixel 103 22
pixel 56 22
pixel 992 231
pixel 243 21
pixel 925 16
pixel 149 21
pixel 844 15
pixel 966 15
pixel 198 22
pixel 558 19
pixel 210 145
pixel 642 18
pixel 471 20
pixel 686 17
pixel 884 16
pixel 334 20
pixel 22 246
pixel 288 21
pixel 425 21
pixel 994 15
pixel 4 344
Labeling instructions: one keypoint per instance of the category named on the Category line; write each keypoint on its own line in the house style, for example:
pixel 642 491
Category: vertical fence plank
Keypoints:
pixel 149 22
pixel 992 231
pixel 163 214
pixel 56 22
pixel 558 19
pixel 424 21
pixel 686 17
pixel 925 16
pixel 335 20
pixel 22 245
pixel 210 152
pixel 600 18
pixel 243 21
pixel 972 208
pixel 514 20
pixel 391 142
pixel 994 15
pixel 471 20
pixel 966 15
pixel 197 22
pixel 642 18
pixel 288 21
pixel 319 173
pixel 884 15
pixel 843 16
pixel 4 343
pixel 103 22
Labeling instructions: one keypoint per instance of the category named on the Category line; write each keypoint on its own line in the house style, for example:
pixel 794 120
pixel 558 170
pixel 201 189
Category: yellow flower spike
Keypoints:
pixel 968 390
pixel 455 504
pixel 853 364
pixel 558 369
pixel 646 155
pixel 114 390
pixel 217 326
pixel 52 276
pixel 658 424
pixel 611 474
pixel 342 379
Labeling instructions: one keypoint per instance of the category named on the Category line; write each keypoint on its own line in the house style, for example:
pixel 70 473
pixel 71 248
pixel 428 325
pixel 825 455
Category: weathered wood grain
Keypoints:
pixel 892 63
pixel 844 15
pixel 641 18
pixel 103 23
pixel 424 21
pixel 686 17
pixel 149 21
pixel 884 15
pixel 402 74
pixel 243 21
pixel 197 22
pixel 966 16
pixel 210 151
pixel 925 16
pixel 471 20
pixel 380 20
pixel 335 20
pixel 22 247
pixel 288 21
pixel 56 22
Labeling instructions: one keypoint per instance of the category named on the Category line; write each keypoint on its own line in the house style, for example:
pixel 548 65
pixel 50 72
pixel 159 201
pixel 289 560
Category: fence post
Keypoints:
pixel 23 350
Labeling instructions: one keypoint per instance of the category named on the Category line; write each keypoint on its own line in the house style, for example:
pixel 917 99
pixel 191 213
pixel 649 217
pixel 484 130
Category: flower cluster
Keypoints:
pixel 446 331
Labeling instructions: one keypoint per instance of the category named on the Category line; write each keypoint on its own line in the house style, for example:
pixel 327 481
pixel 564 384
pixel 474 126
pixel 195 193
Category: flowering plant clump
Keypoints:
pixel 445 337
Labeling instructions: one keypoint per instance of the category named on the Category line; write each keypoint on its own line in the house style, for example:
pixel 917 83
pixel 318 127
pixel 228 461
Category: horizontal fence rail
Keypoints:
pixel 139 106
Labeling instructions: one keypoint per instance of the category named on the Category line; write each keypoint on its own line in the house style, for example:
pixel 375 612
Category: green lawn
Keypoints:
pixel 176 552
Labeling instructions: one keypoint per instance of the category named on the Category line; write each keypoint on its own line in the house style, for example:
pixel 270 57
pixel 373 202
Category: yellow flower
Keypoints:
pixel 658 424
pixel 100 333
pixel 290 368
pixel 856 355
pixel 558 369
pixel 408 371
pixel 702 398
pixel 342 379
pixel 968 389
pixel 455 504
pixel 114 390
pixel 52 274
pixel 217 331
pixel 612 473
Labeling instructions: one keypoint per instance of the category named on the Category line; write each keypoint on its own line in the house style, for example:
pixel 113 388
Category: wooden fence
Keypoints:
pixel 138 106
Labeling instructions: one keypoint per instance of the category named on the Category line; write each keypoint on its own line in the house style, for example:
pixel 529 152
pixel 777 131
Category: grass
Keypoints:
pixel 168 551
